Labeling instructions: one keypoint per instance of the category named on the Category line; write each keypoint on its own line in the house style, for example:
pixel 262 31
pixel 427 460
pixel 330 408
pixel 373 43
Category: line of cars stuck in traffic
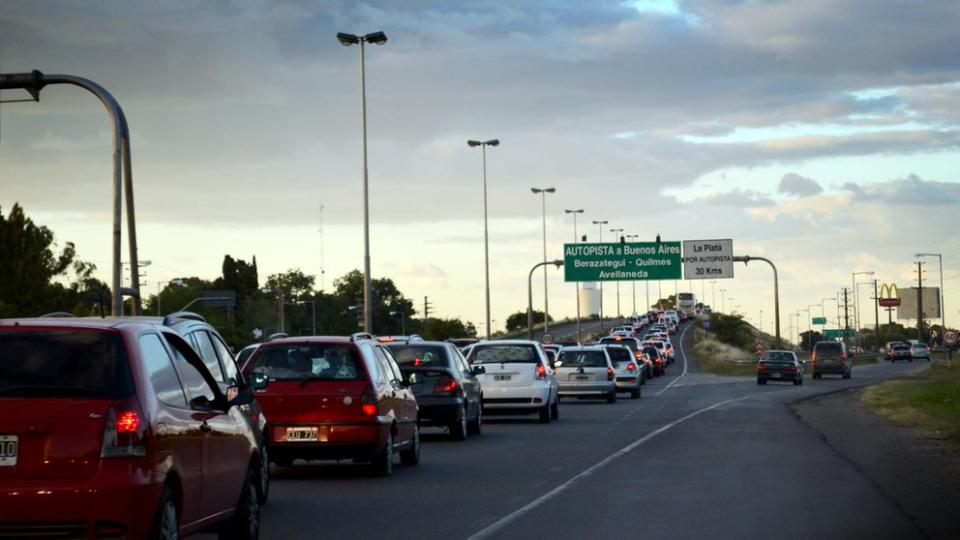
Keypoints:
pixel 149 427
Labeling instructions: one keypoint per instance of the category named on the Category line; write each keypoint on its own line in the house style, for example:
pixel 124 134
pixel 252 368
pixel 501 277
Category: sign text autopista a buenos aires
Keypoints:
pixel 635 261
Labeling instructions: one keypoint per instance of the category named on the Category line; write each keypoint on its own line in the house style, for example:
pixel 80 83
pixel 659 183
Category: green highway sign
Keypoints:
pixel 819 320
pixel 615 261
pixel 838 333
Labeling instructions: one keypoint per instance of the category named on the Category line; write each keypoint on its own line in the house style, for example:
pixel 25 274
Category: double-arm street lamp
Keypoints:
pixel 377 38
pixel 486 235
pixel 577 283
pixel 546 305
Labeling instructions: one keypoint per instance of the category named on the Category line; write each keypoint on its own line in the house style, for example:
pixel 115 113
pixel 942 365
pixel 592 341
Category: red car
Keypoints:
pixel 336 398
pixel 114 428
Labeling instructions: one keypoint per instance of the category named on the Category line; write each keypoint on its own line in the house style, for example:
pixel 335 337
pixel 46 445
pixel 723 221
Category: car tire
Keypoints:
pixel 545 414
pixel 635 393
pixel 761 382
pixel 245 523
pixel 796 382
pixel 382 463
pixel 263 485
pixel 476 426
pixel 458 429
pixel 555 409
pixel 411 456
pixel 166 524
pixel 612 397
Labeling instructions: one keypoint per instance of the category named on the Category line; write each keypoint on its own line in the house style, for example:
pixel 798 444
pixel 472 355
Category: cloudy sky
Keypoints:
pixel 822 134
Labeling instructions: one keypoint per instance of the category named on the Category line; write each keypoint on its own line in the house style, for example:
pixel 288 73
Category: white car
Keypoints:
pixel 587 372
pixel 626 369
pixel 517 379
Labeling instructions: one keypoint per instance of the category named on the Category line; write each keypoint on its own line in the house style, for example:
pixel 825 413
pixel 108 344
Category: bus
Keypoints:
pixel 687 302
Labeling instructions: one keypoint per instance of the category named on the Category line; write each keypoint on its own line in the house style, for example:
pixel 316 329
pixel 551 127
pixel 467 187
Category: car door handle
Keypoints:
pixel 205 427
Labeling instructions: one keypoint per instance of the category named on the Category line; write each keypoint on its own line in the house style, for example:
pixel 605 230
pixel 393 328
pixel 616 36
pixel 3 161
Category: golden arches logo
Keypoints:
pixel 889 295
pixel 889 290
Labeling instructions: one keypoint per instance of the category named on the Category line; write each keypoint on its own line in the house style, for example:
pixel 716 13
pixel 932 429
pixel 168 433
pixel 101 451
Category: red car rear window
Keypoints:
pixel 315 361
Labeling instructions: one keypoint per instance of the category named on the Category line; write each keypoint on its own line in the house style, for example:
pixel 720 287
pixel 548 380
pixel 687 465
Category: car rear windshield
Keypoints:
pixel 619 355
pixel 777 356
pixel 420 355
pixel 320 361
pixel 582 359
pixel 828 350
pixel 504 354
pixel 901 348
pixel 63 364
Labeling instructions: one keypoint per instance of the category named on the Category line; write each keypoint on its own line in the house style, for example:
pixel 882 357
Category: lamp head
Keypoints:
pixel 492 142
pixel 377 38
pixel 536 190
pixel 474 143
pixel 347 39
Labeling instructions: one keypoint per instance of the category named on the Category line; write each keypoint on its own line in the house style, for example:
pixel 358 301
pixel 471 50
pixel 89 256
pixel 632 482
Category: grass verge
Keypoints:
pixel 929 401
pixel 714 356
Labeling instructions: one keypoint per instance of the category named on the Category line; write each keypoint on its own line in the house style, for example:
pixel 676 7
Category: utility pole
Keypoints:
pixel 876 313
pixel 426 308
pixel 920 300
pixel 846 317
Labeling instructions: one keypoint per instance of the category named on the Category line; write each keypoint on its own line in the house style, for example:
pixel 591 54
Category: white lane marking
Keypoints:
pixel 517 514
pixel 682 375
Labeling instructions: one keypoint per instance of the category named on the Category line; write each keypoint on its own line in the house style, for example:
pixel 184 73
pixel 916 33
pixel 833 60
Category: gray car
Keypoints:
pixel 830 357
pixel 626 370
pixel 586 372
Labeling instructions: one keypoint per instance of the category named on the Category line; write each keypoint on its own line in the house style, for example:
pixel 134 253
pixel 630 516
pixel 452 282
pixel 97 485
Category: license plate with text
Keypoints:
pixel 301 434
pixel 9 448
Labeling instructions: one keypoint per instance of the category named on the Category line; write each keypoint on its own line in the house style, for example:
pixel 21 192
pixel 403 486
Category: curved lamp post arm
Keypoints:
pixel 558 263
pixel 745 259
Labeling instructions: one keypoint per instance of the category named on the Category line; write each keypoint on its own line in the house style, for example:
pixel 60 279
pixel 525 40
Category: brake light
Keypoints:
pixel 368 403
pixel 609 373
pixel 541 371
pixel 843 357
pixel 124 434
pixel 445 385
pixel 417 362
pixel 128 422
pixel 631 367
pixel 791 368
pixel 761 367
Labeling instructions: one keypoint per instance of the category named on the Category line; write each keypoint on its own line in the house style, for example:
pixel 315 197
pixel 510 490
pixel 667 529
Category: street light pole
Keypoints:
pixel 486 234
pixel 723 303
pixel 600 224
pixel 558 263
pixel 617 232
pixel 577 283
pixel 313 306
pixel 856 297
pixel 177 282
pixel 745 259
pixel 403 321
pixel 546 304
pixel 377 38
pixel 634 283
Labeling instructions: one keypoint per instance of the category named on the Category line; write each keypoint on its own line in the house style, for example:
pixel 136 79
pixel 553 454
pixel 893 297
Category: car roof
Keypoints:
pixel 506 342
pixel 84 322
pixel 585 348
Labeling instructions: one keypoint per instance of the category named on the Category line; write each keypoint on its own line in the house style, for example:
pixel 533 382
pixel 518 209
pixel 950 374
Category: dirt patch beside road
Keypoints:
pixel 921 474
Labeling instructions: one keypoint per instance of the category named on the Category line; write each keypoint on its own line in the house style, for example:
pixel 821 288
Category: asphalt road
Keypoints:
pixel 699 455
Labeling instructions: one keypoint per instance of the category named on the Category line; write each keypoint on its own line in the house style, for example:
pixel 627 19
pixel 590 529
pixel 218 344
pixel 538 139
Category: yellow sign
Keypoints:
pixel 889 295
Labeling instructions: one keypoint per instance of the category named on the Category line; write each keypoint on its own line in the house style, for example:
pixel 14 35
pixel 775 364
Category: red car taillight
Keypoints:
pixel 631 367
pixel 609 373
pixel 541 371
pixel 761 367
pixel 813 358
pixel 368 403
pixel 445 385
pixel 124 434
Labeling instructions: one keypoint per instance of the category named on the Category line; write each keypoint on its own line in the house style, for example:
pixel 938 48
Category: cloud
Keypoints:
pixel 738 198
pixel 909 191
pixel 801 186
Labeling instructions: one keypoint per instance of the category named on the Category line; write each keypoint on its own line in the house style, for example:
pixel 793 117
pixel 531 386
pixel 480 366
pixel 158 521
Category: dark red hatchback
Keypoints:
pixel 336 398
pixel 115 429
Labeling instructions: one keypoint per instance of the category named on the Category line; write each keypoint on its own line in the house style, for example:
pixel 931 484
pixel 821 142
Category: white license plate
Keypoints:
pixel 501 377
pixel 301 434
pixel 775 375
pixel 583 377
pixel 9 448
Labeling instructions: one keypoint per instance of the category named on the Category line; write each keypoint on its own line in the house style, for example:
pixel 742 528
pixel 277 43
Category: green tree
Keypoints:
pixel 518 320
pixel 28 263
pixel 385 298
pixel 440 329
pixel 809 339
pixel 669 302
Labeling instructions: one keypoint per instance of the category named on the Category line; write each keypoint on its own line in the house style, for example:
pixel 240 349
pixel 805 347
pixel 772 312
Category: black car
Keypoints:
pixel 222 364
pixel 780 366
pixel 446 387
pixel 659 362
pixel 900 351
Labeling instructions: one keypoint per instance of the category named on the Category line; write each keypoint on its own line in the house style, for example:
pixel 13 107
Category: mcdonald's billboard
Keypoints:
pixel 889 295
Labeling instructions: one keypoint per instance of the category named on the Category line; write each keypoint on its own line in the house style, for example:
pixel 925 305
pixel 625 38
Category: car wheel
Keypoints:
pixel 761 382
pixel 476 426
pixel 245 523
pixel 612 397
pixel 411 456
pixel 545 414
pixel 555 409
pixel 263 486
pixel 166 525
pixel 801 381
pixel 382 463
pixel 458 429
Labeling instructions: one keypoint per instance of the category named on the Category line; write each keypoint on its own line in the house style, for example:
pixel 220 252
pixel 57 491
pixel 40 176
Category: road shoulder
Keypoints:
pixel 919 473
